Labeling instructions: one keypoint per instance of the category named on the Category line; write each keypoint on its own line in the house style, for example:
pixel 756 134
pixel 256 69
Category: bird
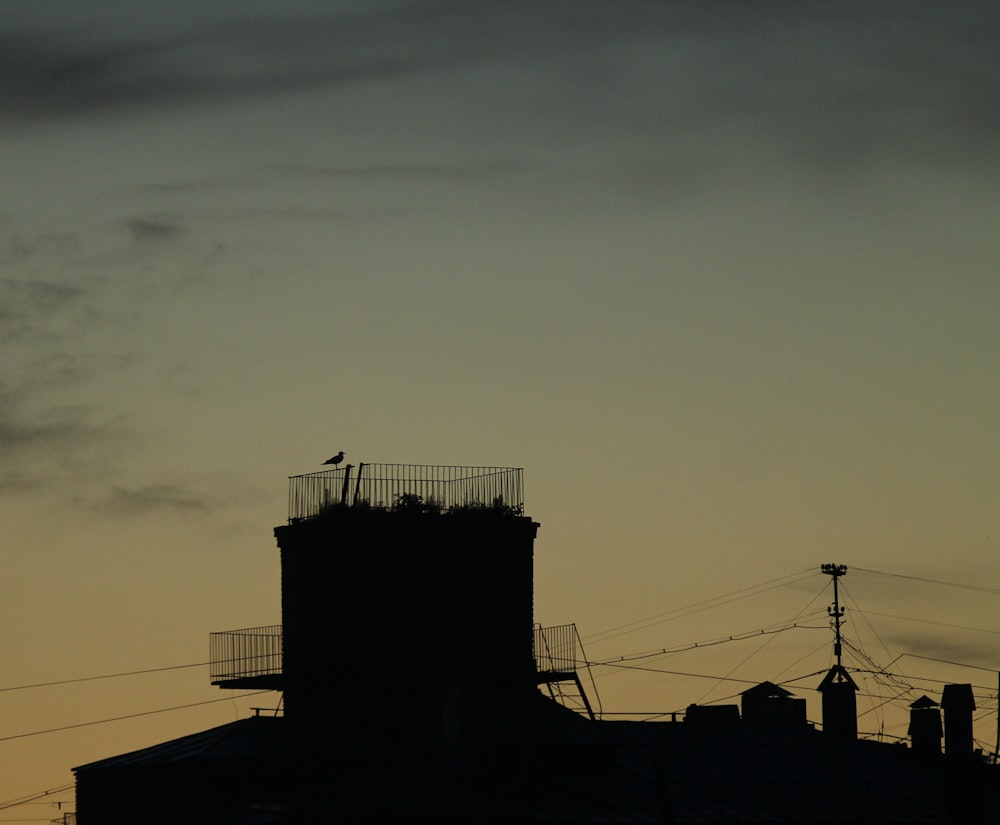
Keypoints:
pixel 336 459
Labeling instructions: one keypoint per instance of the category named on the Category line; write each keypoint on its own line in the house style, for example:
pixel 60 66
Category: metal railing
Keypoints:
pixel 555 648
pixel 558 654
pixel 425 487
pixel 246 653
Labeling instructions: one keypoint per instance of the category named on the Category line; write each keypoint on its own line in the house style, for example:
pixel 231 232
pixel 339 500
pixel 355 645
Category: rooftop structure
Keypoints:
pixel 440 488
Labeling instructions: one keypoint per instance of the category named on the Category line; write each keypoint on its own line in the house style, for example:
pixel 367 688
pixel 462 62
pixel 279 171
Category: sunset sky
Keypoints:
pixel 721 277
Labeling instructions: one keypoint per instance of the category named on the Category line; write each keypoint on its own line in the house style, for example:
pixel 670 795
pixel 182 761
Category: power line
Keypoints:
pixel 31 797
pixel 695 607
pixel 735 637
pixel 930 621
pixel 864 616
pixel 103 676
pixel 944 662
pixel 680 673
pixel 980 588
pixel 802 658
pixel 750 655
pixel 130 716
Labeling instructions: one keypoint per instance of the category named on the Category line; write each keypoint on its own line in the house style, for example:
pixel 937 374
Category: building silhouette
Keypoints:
pixel 411 668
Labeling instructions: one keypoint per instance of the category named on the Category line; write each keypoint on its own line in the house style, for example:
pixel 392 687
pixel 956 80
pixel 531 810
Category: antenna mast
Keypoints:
pixel 836 612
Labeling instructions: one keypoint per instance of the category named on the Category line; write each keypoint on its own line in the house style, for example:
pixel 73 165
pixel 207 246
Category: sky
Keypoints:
pixel 721 277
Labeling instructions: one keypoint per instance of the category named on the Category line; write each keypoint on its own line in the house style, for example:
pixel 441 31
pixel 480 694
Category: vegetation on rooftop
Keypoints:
pixel 416 504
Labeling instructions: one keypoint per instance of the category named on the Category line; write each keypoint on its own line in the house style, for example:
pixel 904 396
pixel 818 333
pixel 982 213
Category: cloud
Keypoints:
pixel 827 84
pixel 42 442
pixel 154 498
pixel 960 649
pixel 50 73
pixel 152 229
pixel 428 172
pixel 26 302
pixel 59 344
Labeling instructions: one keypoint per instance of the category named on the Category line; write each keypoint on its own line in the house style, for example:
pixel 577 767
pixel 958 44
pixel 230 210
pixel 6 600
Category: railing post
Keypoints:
pixel 347 483
pixel 357 485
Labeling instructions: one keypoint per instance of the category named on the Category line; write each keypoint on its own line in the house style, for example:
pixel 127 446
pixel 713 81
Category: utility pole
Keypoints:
pixel 836 612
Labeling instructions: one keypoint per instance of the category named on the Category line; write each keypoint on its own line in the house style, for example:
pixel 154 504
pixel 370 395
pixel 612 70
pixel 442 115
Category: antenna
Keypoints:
pixel 836 612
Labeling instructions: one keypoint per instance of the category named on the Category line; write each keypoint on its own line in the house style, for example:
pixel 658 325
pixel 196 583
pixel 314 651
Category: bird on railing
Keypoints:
pixel 336 459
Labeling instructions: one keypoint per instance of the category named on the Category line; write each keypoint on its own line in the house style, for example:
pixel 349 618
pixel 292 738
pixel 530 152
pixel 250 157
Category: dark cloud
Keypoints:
pixel 53 74
pixel 154 498
pixel 152 229
pixel 828 83
pixel 40 441
pixel 953 647
pixel 49 305
pixel 15 482
pixel 18 250
pixel 25 302
pixel 431 172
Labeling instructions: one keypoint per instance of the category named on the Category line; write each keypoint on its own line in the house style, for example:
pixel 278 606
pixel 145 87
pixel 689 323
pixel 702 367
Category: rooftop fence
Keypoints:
pixel 555 648
pixel 413 487
pixel 244 654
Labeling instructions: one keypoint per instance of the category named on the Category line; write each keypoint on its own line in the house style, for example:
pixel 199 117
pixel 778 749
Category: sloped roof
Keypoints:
pixel 837 675
pixel 766 689
pixel 253 738
pixel 628 773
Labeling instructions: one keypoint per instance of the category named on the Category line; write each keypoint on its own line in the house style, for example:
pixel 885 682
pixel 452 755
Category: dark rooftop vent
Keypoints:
pixel 712 715
pixel 958 704
pixel 768 705
pixel 840 705
pixel 925 727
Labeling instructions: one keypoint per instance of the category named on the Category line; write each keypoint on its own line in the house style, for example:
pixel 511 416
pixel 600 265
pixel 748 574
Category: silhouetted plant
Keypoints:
pixel 331 506
pixel 412 503
pixel 497 507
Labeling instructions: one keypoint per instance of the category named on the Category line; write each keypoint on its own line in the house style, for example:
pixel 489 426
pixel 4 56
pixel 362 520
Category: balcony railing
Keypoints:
pixel 406 486
pixel 558 654
pixel 244 657
pixel 555 649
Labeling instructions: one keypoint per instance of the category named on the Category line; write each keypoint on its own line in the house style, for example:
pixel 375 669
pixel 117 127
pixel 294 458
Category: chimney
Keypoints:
pixel 925 727
pixel 958 705
pixel 840 705
pixel 712 715
pixel 771 706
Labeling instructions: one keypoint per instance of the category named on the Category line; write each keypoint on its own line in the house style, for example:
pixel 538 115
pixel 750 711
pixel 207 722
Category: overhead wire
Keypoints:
pixel 29 798
pixel 801 659
pixel 102 676
pixel 977 587
pixel 941 661
pixel 699 645
pixel 861 613
pixel 697 607
pixel 930 621
pixel 130 716
pixel 891 688
pixel 682 673
pixel 882 679
pixel 765 644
